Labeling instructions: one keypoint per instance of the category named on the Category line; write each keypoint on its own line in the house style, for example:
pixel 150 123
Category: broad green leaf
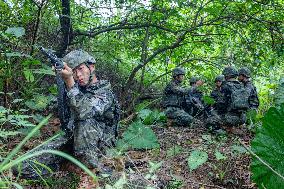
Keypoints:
pixel 268 144
pixel 219 155
pixel 196 159
pixel 16 31
pixel 139 136
pixel 39 102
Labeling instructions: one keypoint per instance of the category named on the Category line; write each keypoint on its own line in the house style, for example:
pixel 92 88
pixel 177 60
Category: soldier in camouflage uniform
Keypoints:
pixel 94 118
pixel 218 96
pixel 193 100
pixel 244 77
pixel 173 101
pixel 232 116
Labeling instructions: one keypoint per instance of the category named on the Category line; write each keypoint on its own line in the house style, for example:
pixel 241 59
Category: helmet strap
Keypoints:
pixel 92 74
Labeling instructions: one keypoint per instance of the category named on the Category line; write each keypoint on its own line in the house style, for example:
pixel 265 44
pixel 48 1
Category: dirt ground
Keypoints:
pixel 169 164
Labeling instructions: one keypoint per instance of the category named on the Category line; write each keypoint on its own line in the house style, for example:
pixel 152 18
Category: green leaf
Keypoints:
pixel 17 100
pixel 268 144
pixel 208 100
pixel 29 75
pixel 173 151
pixel 154 166
pixel 39 102
pixel 279 93
pixel 30 62
pixel 238 149
pixel 5 134
pixel 207 138
pixel 196 159
pixel 120 183
pixel 219 156
pixel 144 113
pixel 16 31
pixel 14 54
pixel 150 117
pixel 139 136
pixel 44 71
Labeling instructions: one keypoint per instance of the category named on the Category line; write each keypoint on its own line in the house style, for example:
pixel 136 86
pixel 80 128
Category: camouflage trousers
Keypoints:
pixel 229 119
pixel 86 145
pixel 178 116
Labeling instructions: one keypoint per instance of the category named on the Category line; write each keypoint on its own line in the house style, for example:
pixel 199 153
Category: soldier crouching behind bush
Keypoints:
pixel 94 118
pixel 174 99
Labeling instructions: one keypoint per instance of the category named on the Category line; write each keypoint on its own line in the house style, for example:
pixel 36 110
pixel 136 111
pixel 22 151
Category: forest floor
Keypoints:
pixel 167 167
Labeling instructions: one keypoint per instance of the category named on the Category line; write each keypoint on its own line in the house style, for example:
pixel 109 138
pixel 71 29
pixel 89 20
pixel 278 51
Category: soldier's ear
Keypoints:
pixel 92 67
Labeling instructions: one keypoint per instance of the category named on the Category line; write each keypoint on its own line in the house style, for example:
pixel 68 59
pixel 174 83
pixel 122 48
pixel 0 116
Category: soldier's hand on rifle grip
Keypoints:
pixel 67 76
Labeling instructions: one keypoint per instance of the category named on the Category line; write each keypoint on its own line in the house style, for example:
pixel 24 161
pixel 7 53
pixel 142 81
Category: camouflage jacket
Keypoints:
pixel 253 98
pixel 218 96
pixel 196 93
pixel 94 108
pixel 174 95
pixel 193 100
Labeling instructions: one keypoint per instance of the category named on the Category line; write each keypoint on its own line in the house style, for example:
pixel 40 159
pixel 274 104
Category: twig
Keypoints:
pixel 262 161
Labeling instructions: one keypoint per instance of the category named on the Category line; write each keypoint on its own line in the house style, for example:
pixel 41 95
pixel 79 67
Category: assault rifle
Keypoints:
pixel 195 107
pixel 63 109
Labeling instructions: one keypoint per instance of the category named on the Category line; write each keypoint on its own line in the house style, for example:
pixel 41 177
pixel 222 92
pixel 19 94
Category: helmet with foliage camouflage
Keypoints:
pixel 230 72
pixel 219 78
pixel 178 71
pixel 77 57
pixel 245 72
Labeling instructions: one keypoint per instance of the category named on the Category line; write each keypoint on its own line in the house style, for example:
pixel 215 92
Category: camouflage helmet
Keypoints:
pixel 193 80
pixel 230 72
pixel 178 71
pixel 245 72
pixel 77 57
pixel 219 78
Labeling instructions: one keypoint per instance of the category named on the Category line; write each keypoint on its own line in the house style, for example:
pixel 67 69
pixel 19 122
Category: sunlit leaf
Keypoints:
pixel 16 31
pixel 196 159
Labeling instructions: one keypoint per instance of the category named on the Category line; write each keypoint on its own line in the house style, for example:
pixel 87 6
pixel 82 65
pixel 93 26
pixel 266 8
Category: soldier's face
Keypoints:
pixel 81 74
pixel 241 77
pixel 218 83
pixel 180 78
pixel 199 83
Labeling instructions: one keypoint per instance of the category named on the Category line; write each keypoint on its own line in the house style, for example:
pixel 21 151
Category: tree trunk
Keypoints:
pixel 66 28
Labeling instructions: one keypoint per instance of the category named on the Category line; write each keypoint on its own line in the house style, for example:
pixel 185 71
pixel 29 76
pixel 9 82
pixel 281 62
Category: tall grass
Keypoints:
pixel 10 161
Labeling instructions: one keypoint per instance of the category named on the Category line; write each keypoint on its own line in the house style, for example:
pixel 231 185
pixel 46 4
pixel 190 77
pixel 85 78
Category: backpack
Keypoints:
pixel 239 96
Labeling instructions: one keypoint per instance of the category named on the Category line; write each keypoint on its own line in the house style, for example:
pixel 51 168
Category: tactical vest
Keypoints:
pixel 171 99
pixel 239 96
